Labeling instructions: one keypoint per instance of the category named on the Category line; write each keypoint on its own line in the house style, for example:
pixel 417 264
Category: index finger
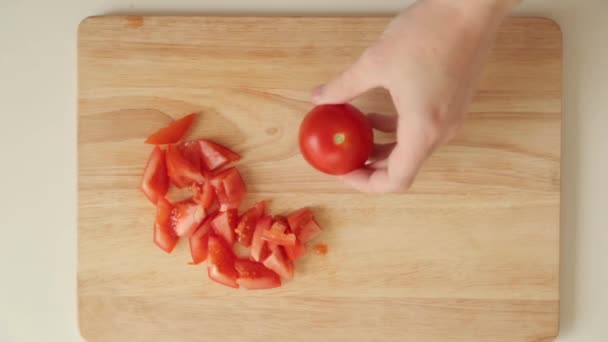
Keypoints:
pixel 402 165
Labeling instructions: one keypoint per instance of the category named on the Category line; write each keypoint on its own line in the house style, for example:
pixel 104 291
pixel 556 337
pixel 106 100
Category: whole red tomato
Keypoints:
pixel 336 139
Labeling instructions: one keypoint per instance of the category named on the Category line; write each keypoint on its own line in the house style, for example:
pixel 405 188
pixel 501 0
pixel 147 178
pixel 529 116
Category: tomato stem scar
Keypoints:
pixel 339 138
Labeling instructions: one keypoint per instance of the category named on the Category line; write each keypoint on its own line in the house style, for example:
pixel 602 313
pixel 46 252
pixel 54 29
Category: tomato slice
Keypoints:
pixel 309 231
pixel 246 226
pixel 279 262
pixel 172 133
pixel 221 263
pixel 155 182
pixel 299 218
pixel 215 155
pixel 229 188
pixel 259 250
pixel 255 276
pixel 199 241
pixel 181 172
pixel 203 194
pixel 296 251
pixel 164 237
pixel 186 216
pixel 224 224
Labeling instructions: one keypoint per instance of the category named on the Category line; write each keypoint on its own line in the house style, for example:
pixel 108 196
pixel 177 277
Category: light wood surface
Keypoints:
pixel 470 254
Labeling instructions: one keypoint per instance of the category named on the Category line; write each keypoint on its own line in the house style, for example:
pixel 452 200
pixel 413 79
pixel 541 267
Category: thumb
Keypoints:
pixel 349 84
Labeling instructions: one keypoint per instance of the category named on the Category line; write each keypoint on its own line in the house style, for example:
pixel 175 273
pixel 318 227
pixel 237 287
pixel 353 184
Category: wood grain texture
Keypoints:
pixel 470 254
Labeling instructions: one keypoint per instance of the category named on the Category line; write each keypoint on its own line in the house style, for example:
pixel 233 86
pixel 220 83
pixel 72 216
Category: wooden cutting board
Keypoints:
pixel 471 253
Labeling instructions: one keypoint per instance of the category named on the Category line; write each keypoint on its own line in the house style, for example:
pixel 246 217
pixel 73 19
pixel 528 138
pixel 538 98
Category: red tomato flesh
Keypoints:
pixel 215 155
pixel 164 236
pixel 155 182
pixel 296 251
pixel 191 151
pixel 254 276
pixel 336 139
pixel 279 262
pixel 172 133
pixel 203 194
pixel 221 263
pixel 309 231
pixel 279 238
pixel 246 226
pixel 229 188
pixel 199 241
pixel 299 218
pixel 181 172
pixel 224 224
pixel 186 216
pixel 259 250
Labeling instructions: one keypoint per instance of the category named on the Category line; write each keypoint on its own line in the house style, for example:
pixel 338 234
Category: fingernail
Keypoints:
pixel 317 93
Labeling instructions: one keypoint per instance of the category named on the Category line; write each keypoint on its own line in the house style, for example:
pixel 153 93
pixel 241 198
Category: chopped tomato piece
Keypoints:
pixel 296 251
pixel 279 262
pixel 203 194
pixel 181 172
pixel 155 182
pixel 164 237
pixel 259 250
pixel 221 263
pixel 215 155
pixel 199 241
pixel 309 231
pixel 299 218
pixel 191 151
pixel 320 249
pixel 246 226
pixel 172 133
pixel 224 224
pixel 280 238
pixel 254 276
pixel 261 207
pixel 229 188
pixel 186 216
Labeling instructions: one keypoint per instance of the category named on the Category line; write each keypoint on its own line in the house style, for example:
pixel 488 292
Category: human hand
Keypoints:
pixel 429 58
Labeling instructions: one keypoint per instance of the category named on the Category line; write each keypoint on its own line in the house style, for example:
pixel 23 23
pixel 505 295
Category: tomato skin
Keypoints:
pixel 336 139
pixel 155 181
pixel 172 133
pixel 164 236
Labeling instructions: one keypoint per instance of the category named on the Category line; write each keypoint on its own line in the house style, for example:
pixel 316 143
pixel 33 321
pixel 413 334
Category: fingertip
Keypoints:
pixel 317 94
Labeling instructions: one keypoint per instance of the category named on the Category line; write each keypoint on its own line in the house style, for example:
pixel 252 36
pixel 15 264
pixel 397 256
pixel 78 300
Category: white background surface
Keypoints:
pixel 38 153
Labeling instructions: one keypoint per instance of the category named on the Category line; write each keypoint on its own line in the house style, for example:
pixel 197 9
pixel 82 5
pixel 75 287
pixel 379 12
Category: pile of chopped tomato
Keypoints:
pixel 267 245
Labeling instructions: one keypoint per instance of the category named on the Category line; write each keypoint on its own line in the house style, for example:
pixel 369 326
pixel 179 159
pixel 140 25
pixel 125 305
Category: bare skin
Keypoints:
pixel 429 58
